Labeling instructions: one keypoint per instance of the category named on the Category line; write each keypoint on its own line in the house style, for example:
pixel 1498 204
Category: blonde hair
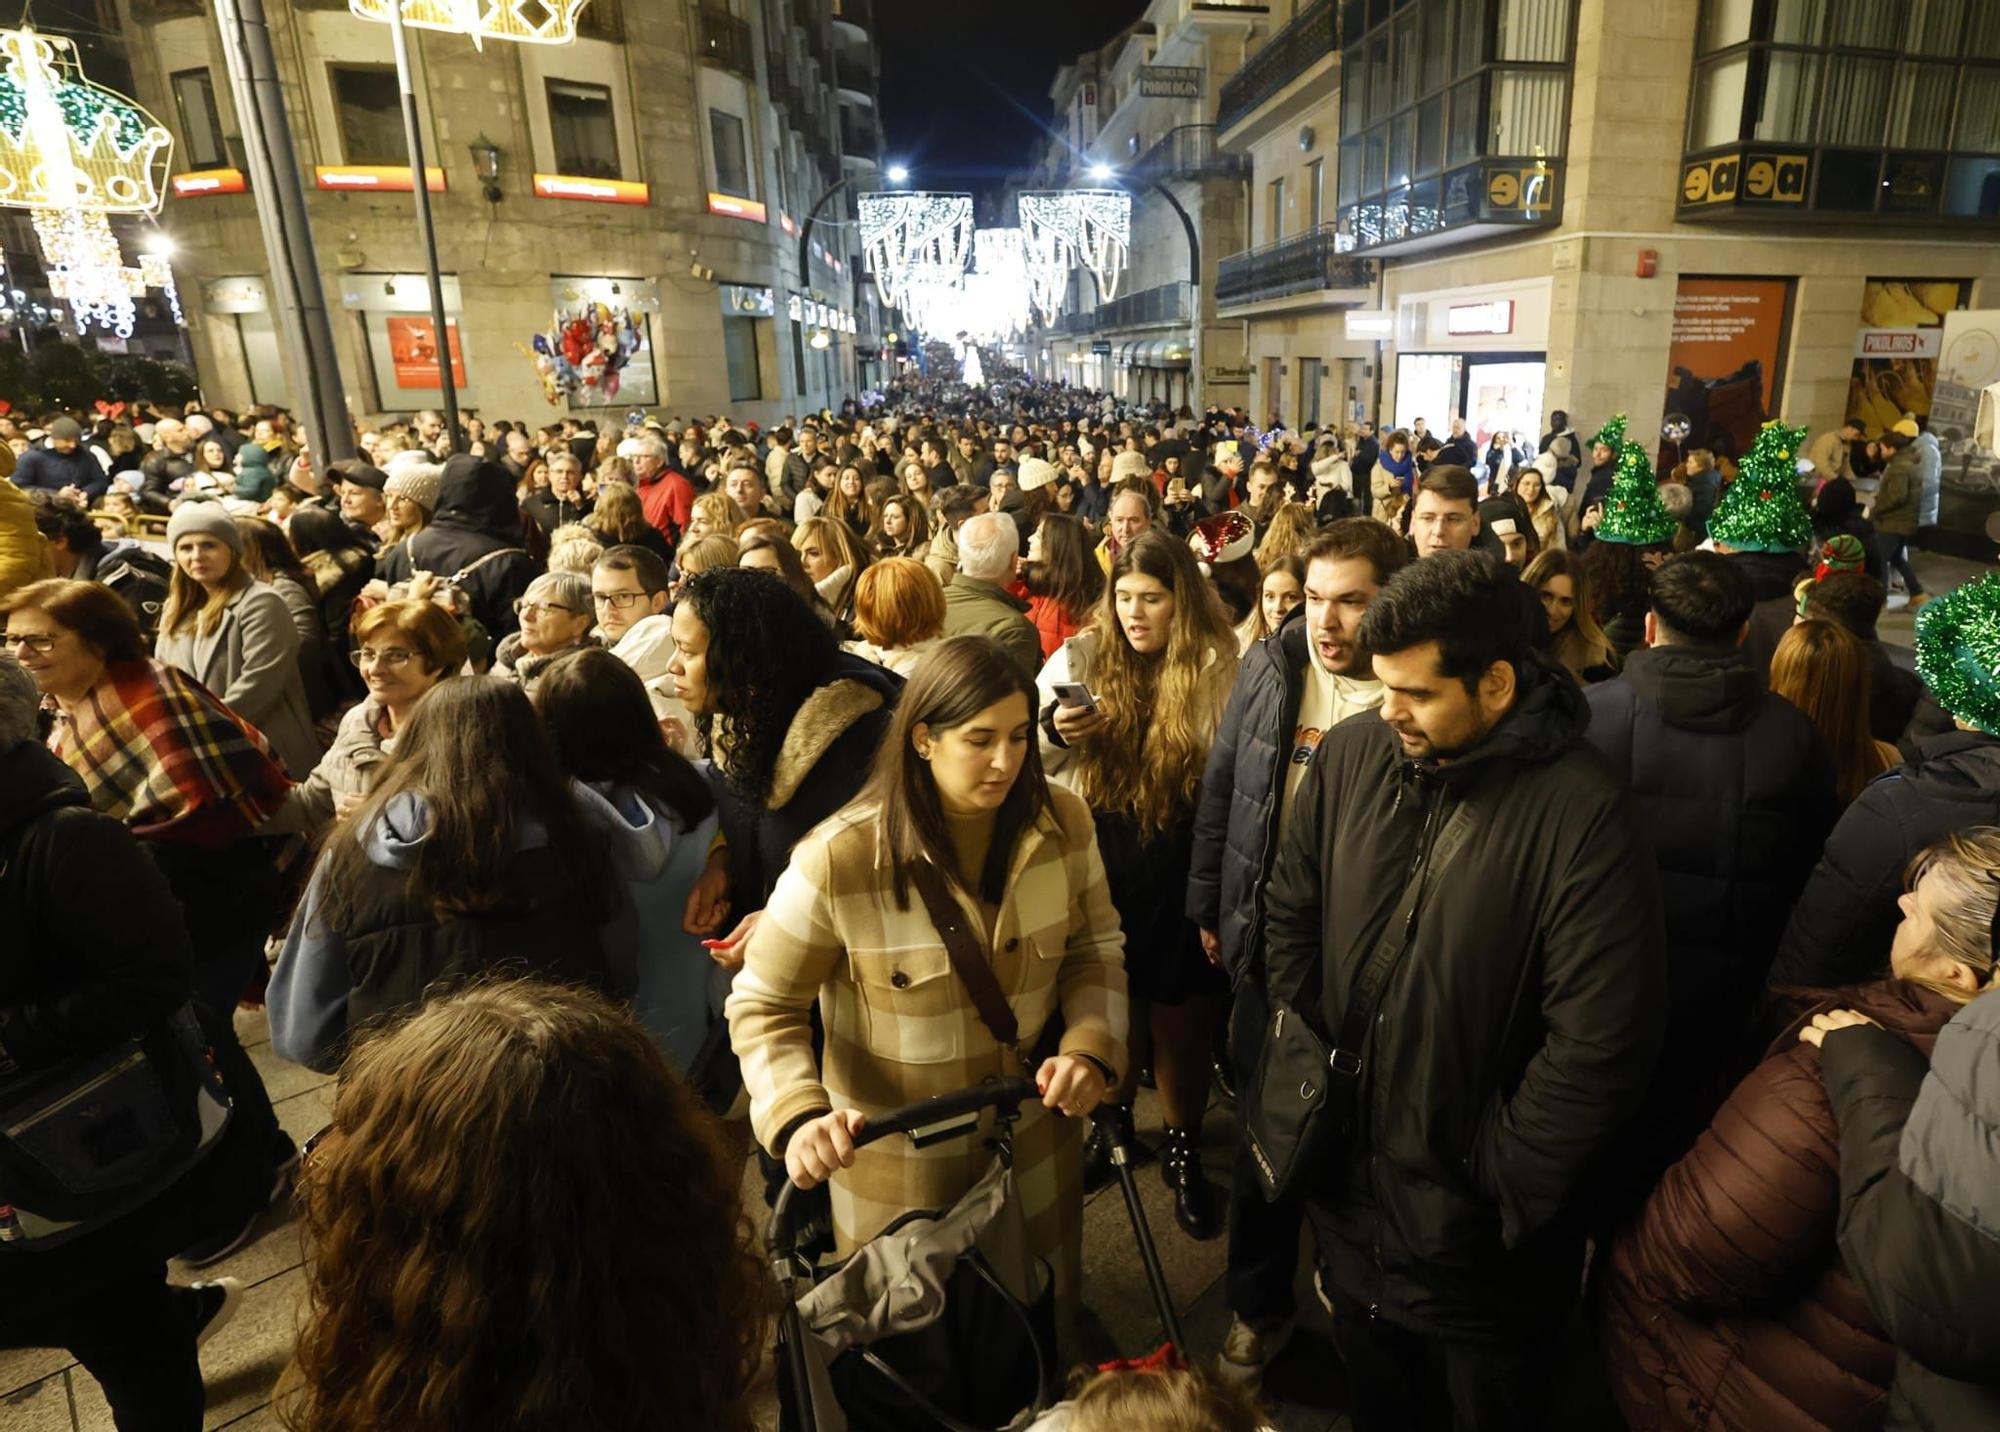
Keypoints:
pixel 718 549
pixel 188 601
pixel 1160 711
pixel 574 547
pixel 1823 670
pixel 831 532
pixel 1967 865
pixel 1292 526
pixel 718 512
pixel 1170 1400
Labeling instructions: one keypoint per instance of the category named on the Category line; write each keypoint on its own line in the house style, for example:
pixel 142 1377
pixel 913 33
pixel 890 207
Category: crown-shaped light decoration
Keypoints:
pixel 87 270
pixel 66 143
pixel 528 22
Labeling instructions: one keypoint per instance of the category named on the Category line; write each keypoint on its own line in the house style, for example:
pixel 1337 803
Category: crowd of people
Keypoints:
pixel 573 790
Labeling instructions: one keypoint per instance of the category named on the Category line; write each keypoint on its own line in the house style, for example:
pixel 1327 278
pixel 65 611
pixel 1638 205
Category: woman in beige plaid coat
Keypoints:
pixel 958 783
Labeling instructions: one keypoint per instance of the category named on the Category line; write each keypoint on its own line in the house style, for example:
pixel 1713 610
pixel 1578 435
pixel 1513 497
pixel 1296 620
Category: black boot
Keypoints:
pixel 1097 1170
pixel 1194 1196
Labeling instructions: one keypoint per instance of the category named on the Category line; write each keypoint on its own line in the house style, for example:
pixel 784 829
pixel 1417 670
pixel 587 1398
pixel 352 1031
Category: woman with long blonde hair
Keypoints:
pixel 1577 641
pixel 1823 670
pixel 1158 664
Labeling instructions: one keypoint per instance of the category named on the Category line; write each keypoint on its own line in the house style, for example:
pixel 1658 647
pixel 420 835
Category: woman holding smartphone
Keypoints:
pixel 1128 710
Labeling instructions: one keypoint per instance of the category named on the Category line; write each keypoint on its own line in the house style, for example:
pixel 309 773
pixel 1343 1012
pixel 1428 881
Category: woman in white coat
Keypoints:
pixel 234 634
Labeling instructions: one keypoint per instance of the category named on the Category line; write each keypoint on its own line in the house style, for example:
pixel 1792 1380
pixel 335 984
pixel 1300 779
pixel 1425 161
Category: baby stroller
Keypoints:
pixel 944 1320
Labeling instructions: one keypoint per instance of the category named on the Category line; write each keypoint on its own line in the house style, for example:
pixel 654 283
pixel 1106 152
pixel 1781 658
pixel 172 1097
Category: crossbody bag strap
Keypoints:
pixel 967 959
pixel 476 563
pixel 1372 980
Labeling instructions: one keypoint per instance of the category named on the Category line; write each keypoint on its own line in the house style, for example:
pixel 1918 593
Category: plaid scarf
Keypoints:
pixel 159 752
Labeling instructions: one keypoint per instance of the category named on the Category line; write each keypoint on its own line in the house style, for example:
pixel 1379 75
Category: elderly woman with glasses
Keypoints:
pixel 402 650
pixel 556 617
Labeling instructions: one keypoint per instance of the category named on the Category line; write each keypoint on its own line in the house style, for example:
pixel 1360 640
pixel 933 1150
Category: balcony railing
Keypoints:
pixel 857 134
pixel 1305 263
pixel 1313 34
pixel 851 73
pixel 725 42
pixel 1188 152
pixel 1169 303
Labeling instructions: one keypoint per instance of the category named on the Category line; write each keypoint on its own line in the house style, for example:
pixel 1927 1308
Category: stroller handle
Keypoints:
pixel 943 1108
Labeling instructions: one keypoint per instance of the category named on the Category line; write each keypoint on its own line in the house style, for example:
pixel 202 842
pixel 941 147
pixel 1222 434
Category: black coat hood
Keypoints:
pixel 1549 717
pixel 476 494
pixel 1695 688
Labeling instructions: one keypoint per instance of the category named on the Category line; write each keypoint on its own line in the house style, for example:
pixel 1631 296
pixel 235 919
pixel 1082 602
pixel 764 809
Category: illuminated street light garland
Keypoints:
pixel 72 153
pixel 914 236
pixel 530 22
pixel 1063 229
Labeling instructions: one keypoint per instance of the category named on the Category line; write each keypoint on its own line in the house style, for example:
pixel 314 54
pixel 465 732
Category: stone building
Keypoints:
pixel 664 162
pixel 1714 210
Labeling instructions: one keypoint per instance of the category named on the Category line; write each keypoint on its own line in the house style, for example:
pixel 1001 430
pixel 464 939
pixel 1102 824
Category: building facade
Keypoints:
pixel 1144 107
pixel 1704 211
pixel 665 164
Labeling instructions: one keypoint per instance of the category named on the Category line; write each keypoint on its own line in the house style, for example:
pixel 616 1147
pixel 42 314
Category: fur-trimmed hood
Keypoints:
pixel 823 718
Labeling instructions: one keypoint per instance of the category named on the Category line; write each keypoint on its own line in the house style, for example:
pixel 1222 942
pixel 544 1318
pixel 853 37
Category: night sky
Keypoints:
pixel 965 82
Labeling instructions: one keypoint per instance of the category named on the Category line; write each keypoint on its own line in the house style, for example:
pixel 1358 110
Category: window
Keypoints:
pixel 1274 211
pixel 1316 193
pixel 582 130
pixel 201 123
pixel 371 114
pixel 739 347
pixel 732 165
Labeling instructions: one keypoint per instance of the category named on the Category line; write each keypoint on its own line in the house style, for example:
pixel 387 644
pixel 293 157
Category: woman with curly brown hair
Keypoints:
pixel 521 1219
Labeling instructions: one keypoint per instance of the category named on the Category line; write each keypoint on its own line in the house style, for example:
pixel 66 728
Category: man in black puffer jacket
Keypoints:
pixel 1469 841
pixel 1918 1226
pixel 1738 796
pixel 1291 690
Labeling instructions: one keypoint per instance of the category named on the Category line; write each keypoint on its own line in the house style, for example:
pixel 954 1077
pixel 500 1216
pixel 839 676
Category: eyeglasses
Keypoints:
pixel 617 601
pixel 524 607
pixel 392 658
pixel 34 643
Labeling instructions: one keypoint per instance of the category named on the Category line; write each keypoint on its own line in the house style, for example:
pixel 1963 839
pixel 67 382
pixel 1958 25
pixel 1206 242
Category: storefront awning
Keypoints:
pixel 1163 353
pixel 1126 352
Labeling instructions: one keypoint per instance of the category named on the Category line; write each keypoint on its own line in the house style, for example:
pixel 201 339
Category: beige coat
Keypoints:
pixel 900 1026
pixel 251 663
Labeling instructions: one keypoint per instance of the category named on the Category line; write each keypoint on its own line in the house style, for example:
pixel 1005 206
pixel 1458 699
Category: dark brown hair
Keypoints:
pixel 954 683
pixel 1363 537
pixel 521 1218
pixel 601 722
pixel 1068 569
pixel 473 750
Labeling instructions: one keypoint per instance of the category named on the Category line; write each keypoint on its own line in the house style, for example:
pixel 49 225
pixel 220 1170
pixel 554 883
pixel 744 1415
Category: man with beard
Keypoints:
pixel 1291 690
pixel 1466 912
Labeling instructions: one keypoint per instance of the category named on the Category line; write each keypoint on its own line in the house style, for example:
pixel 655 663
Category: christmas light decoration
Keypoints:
pixel 531 22
pixel 1761 511
pixel 1633 512
pixel 1067 228
pixel 66 143
pixel 73 153
pixel 914 236
pixel 1958 651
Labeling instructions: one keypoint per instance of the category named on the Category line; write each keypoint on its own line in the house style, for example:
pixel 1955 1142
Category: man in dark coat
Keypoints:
pixel 1473 852
pixel 1738 796
pixel 1266 741
pixel 63 465
pixel 477 532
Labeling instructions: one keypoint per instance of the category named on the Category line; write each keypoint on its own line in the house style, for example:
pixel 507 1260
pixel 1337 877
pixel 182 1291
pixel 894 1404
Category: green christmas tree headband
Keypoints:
pixel 1761 511
pixel 1633 512
pixel 1612 434
pixel 1958 652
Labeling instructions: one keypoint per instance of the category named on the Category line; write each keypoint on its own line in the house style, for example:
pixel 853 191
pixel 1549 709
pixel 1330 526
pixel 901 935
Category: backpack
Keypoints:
pixel 140 578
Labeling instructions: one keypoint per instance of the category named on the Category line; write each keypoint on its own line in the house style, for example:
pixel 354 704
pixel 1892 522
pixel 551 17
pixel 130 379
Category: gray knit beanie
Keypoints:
pixel 211 519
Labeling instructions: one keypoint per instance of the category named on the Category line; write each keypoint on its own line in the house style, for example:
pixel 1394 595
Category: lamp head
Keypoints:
pixel 898 174
pixel 1101 171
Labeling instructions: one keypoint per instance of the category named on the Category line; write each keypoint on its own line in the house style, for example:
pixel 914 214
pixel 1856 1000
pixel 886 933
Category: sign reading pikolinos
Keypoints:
pixel 1170 81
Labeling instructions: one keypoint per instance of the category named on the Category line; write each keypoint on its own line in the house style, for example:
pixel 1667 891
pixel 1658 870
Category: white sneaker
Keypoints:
pixel 1250 1348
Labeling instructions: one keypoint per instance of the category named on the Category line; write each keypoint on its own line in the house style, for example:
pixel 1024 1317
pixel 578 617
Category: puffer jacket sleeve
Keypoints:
pixel 794 950
pixel 1091 983
pixel 1211 812
pixel 1840 929
pixel 1753 1201
pixel 1603 1005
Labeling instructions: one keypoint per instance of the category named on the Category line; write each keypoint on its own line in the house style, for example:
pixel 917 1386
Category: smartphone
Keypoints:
pixel 1075 694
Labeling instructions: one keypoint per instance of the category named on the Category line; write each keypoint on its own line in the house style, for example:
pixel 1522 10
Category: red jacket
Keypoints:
pixel 1054 622
pixel 1725 1303
pixel 668 502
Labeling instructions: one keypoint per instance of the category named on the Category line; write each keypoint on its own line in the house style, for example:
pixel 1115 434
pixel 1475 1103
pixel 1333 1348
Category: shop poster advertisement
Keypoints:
pixel 414 356
pixel 1724 366
pixel 1897 348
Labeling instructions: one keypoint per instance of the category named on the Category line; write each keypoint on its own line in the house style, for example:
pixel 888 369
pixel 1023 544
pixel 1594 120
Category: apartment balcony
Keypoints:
pixel 1312 38
pixel 854 78
pixel 1168 303
pixel 725 42
pixel 1307 263
pixel 1188 152
pixel 858 134
pixel 852 20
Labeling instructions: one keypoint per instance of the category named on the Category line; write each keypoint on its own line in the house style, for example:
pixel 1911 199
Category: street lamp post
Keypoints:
pixel 1104 173
pixel 420 187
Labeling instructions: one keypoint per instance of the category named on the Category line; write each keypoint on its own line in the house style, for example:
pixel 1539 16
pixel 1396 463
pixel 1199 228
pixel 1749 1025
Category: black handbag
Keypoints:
pixel 91 1138
pixel 1305 1098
